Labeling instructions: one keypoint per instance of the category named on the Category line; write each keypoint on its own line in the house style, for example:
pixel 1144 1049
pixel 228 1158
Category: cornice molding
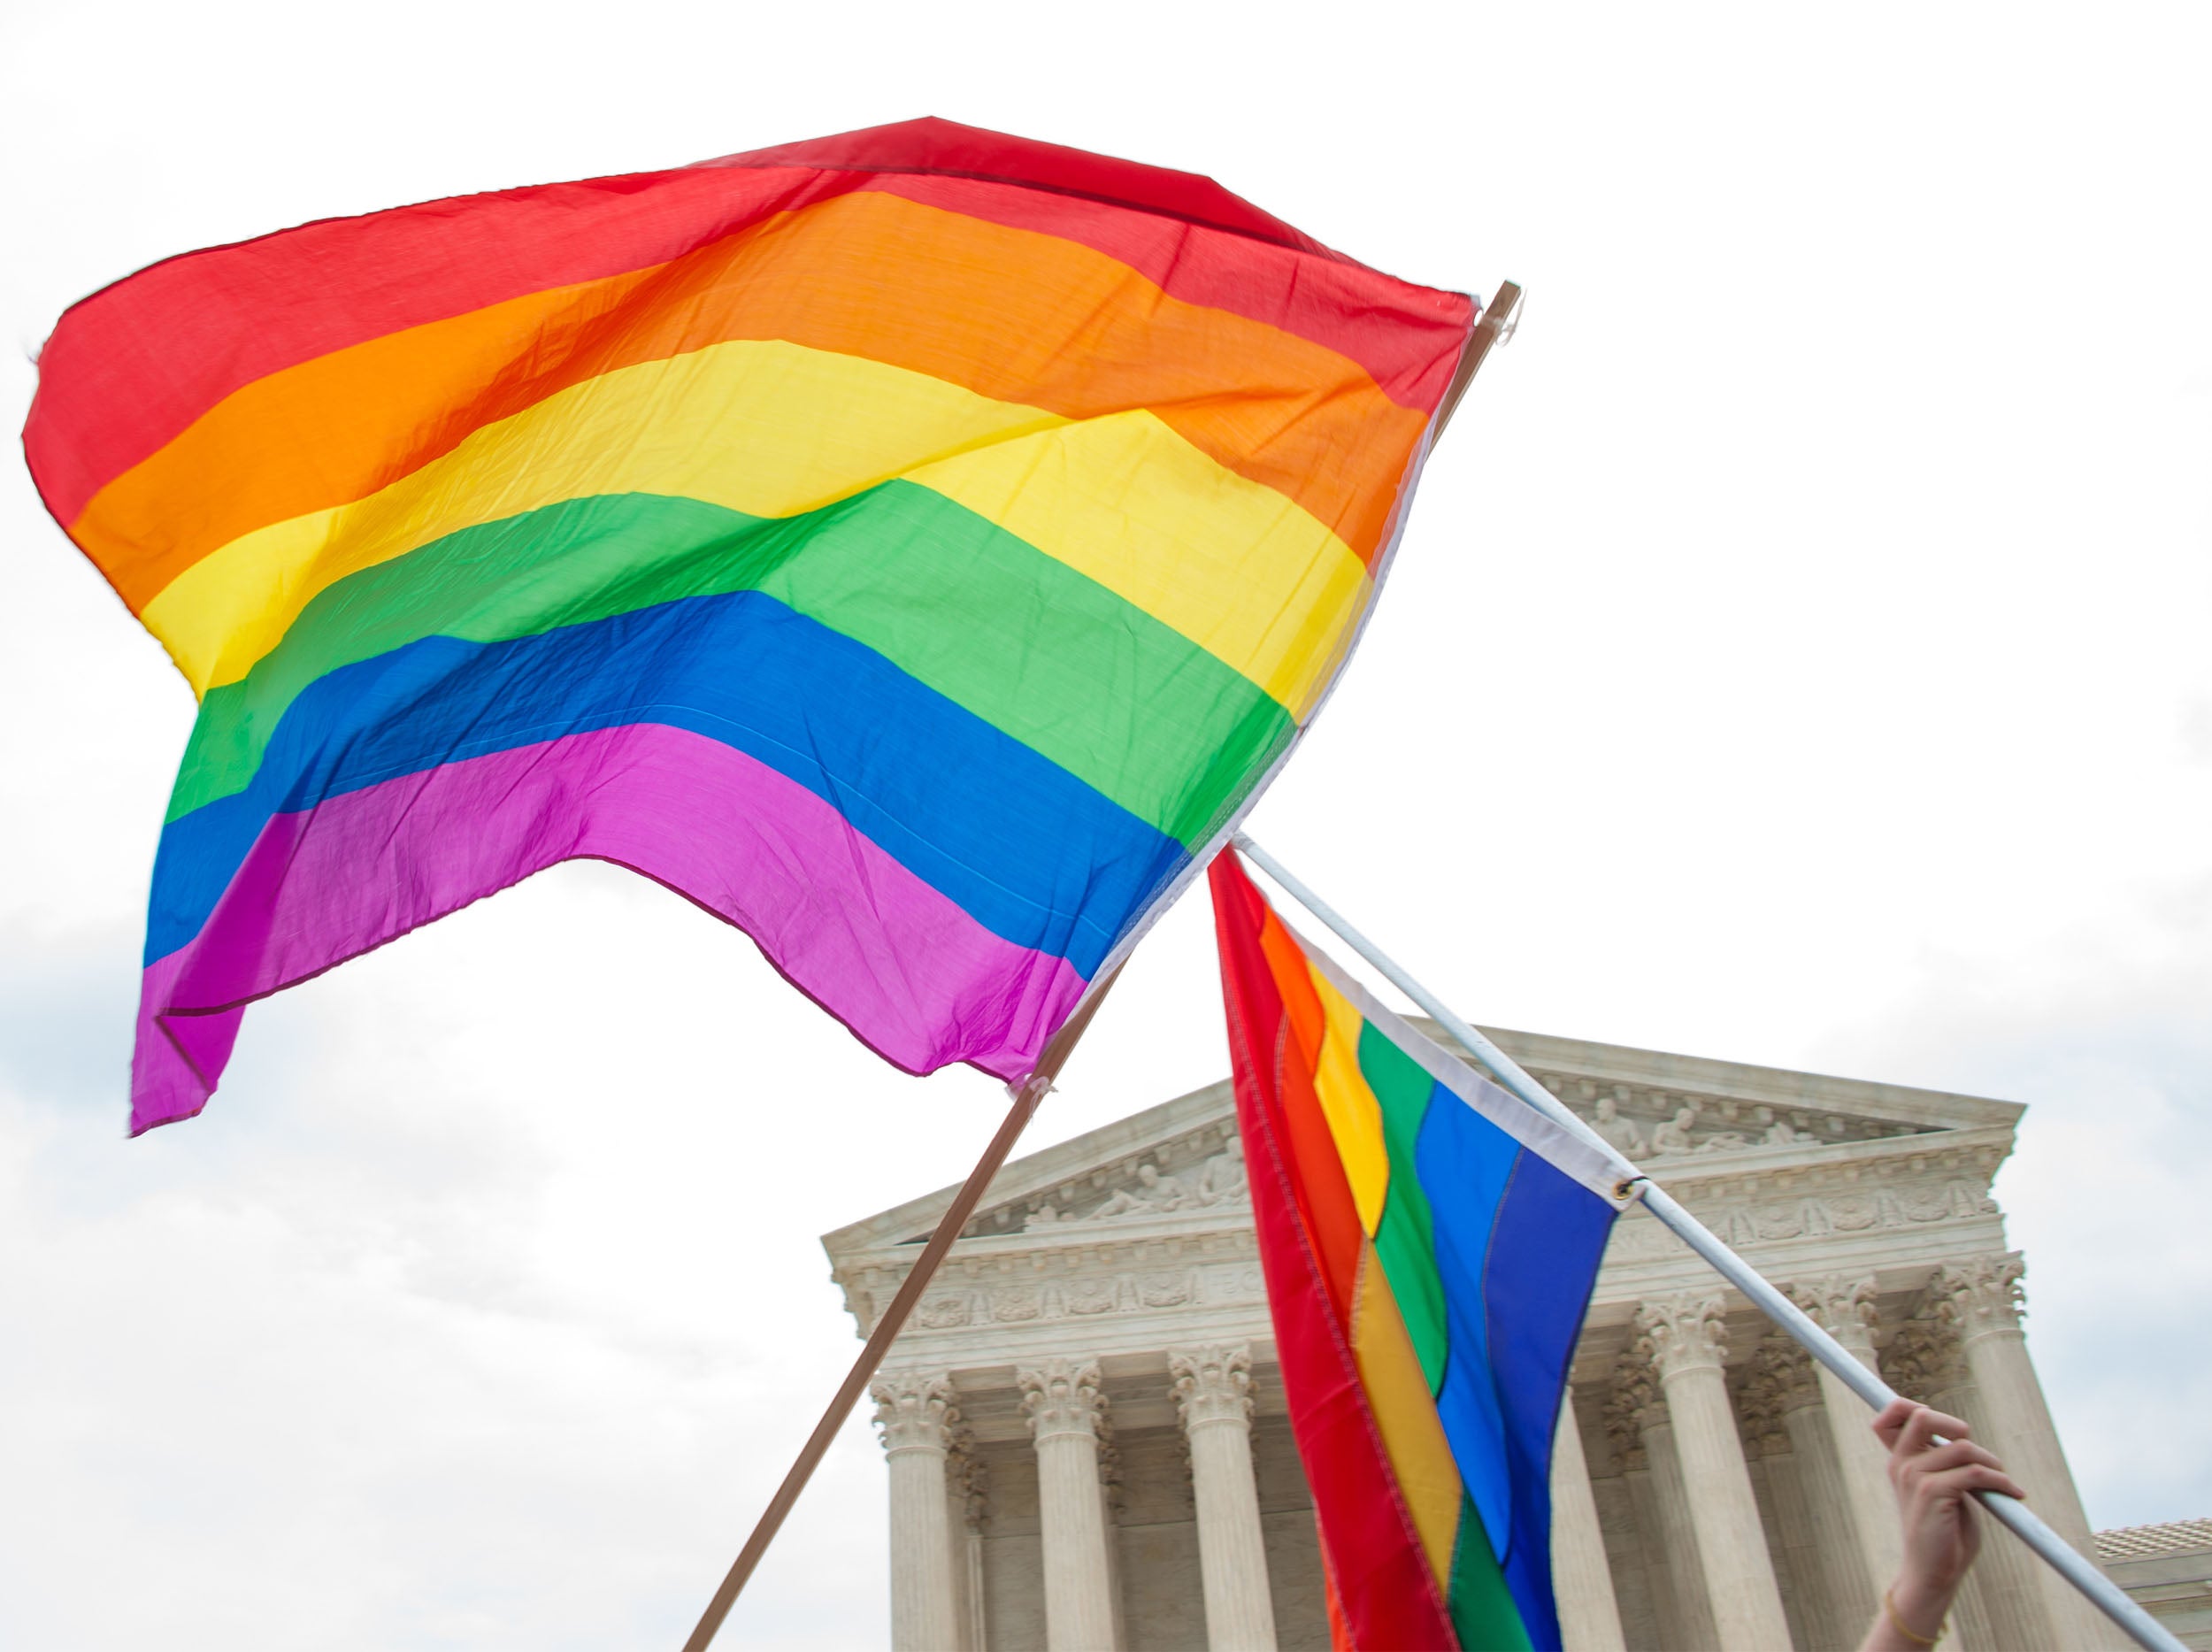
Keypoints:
pixel 1749 1084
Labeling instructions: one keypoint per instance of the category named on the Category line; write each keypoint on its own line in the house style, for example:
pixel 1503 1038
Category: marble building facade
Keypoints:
pixel 1089 1451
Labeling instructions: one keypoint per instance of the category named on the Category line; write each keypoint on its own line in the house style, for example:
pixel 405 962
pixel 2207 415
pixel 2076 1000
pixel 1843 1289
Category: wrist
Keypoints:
pixel 1922 1607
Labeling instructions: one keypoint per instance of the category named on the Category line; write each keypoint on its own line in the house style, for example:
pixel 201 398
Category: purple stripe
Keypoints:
pixel 905 968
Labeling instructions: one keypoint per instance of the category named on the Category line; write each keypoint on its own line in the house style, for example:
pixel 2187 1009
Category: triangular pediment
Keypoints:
pixel 1163 1169
pixel 1171 1160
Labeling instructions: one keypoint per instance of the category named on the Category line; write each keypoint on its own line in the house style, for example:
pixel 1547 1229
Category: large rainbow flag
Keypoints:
pixel 917 547
pixel 1430 1243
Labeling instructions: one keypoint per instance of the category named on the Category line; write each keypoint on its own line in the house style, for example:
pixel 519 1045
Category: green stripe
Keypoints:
pixel 1405 1239
pixel 1481 1601
pixel 1039 650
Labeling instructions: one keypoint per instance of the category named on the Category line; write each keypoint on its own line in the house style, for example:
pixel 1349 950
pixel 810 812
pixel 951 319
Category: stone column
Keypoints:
pixel 1065 1407
pixel 1212 1387
pixel 1981 1299
pixel 970 1514
pixel 1648 1579
pixel 1687 1338
pixel 1581 1578
pixel 1848 1596
pixel 1845 1308
pixel 1676 1574
pixel 915 1412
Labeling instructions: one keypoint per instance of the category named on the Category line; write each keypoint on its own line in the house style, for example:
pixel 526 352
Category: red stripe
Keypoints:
pixel 1317 1169
pixel 1384 1589
pixel 947 148
pixel 129 368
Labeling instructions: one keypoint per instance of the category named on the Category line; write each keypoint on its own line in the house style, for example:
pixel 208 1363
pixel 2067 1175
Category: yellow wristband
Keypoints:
pixel 1898 1624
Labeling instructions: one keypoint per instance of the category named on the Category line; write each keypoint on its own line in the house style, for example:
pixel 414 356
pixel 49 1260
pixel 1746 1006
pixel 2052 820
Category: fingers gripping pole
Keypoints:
pixel 2013 1514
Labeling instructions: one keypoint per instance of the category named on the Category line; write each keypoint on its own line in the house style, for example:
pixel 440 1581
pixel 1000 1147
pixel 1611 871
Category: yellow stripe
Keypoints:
pixel 772 429
pixel 1413 1434
pixel 1353 1114
pixel 1190 542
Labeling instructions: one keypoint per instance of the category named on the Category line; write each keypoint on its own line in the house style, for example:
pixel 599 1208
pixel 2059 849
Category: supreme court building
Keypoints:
pixel 1089 1449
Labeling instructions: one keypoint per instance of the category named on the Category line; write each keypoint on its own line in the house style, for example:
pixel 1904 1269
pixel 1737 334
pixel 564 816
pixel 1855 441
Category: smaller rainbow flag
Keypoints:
pixel 1430 1244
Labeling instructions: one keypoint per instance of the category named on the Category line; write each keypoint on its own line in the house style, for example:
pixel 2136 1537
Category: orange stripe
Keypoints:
pixel 1302 1005
pixel 1324 1198
pixel 1012 314
pixel 1413 1434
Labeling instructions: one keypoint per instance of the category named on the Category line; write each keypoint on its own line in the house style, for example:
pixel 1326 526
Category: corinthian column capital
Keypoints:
pixel 1785 1371
pixel 1632 1403
pixel 1062 1397
pixel 1842 1304
pixel 1211 1384
pixel 1922 1360
pixel 1981 1294
pixel 1759 1407
pixel 1684 1333
pixel 915 1410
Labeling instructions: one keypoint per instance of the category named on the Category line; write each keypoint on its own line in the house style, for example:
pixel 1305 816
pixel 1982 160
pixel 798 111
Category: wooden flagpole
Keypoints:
pixel 1502 304
pixel 1033 1091
pixel 2017 1516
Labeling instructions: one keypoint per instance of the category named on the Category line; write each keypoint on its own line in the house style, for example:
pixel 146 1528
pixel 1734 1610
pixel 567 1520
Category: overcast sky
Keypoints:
pixel 1797 655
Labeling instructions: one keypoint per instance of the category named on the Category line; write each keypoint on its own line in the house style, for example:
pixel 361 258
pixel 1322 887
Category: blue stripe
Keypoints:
pixel 1032 854
pixel 1464 1163
pixel 1544 1255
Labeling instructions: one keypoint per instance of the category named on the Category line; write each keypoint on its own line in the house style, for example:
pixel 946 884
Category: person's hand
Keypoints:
pixel 1934 1483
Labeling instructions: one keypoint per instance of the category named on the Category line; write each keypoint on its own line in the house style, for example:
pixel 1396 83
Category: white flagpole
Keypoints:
pixel 2024 1523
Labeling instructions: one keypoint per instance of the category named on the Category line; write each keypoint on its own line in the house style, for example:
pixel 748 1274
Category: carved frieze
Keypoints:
pixel 1086 1297
pixel 1079 1295
pixel 1851 1212
pixel 1014 1305
pixel 1745 1213
pixel 943 1310
pixel 1163 1290
pixel 1638 1237
pixel 1783 1221
pixel 1224 1285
